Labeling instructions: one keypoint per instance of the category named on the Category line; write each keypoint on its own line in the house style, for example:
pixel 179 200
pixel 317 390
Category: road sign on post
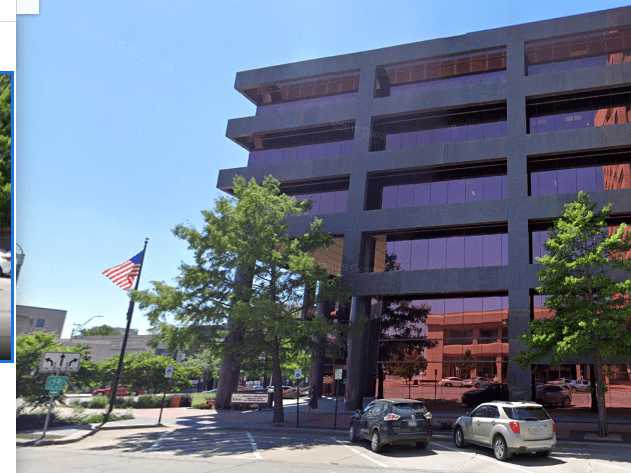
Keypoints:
pixel 168 372
pixel 339 376
pixel 298 373
pixel 55 385
pixel 297 377
pixel 60 362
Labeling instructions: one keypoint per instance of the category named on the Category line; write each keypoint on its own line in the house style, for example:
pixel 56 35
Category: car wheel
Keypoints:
pixel 447 385
pixel 459 438
pixel 477 385
pixel 352 434
pixel 375 442
pixel 500 449
pixel 421 445
pixel 543 454
pixel 566 402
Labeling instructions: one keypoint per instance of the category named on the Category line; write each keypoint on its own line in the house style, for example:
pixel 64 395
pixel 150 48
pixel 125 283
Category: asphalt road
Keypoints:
pixel 5 318
pixel 198 447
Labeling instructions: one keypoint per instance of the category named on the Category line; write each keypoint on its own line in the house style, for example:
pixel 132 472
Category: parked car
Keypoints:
pixel 5 263
pixel 451 381
pixel 492 392
pixel 477 382
pixel 553 394
pixel 392 421
pixel 580 385
pixel 107 391
pixel 508 428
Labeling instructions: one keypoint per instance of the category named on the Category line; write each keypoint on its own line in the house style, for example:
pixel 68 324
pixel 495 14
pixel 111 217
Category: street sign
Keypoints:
pixel 339 374
pixel 168 372
pixel 60 362
pixel 298 373
pixel 56 384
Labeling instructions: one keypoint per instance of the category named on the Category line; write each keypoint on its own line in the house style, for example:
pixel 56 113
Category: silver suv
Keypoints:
pixel 508 428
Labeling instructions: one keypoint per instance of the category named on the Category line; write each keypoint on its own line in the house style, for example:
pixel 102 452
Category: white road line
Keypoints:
pixel 361 454
pixel 484 457
pixel 255 451
pixel 603 462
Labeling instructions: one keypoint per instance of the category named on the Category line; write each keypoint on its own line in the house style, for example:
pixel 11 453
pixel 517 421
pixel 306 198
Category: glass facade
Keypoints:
pixel 578 378
pixel 293 153
pixel 301 105
pixel 451 191
pixel 599 48
pixel 589 179
pixel 481 67
pixel 597 109
pixel 458 251
pixel 449 134
pixel 539 237
pixel 463 337
pixel 304 89
pixel 323 203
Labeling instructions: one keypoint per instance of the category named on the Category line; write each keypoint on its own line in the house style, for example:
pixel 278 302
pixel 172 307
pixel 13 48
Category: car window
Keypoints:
pixel 368 408
pixel 409 408
pixel 479 412
pixel 527 413
pixel 492 412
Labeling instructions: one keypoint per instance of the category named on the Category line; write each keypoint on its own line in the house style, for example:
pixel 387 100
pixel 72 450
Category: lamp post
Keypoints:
pixel 79 327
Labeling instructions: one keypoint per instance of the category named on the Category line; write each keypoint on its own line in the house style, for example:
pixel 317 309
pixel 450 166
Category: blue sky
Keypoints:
pixel 122 110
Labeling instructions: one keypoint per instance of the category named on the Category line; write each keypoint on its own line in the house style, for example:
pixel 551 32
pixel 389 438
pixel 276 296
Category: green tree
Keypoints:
pixel 247 281
pixel 99 331
pixel 28 355
pixel 5 150
pixel 145 371
pixel 585 275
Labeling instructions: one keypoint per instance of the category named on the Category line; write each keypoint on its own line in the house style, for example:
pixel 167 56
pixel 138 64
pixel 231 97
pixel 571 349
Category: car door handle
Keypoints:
pixel 493 423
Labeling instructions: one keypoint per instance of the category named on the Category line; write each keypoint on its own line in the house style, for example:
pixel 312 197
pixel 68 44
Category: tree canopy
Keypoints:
pixel 99 330
pixel 585 278
pixel 5 150
pixel 245 286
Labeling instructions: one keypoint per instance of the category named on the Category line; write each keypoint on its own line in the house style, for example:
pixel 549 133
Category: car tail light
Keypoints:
pixel 514 426
pixel 391 417
pixel 554 427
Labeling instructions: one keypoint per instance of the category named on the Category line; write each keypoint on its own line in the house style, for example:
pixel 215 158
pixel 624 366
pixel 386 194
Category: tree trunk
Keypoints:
pixel 279 414
pixel 231 361
pixel 229 371
pixel 600 395
pixel 380 379
pixel 317 359
pixel 592 389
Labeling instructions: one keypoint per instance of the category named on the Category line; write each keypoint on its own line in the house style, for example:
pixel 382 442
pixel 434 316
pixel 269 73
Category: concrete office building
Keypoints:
pixel 439 166
pixel 29 319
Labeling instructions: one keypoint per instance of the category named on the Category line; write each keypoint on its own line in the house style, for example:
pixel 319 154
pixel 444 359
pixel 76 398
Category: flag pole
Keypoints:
pixel 121 358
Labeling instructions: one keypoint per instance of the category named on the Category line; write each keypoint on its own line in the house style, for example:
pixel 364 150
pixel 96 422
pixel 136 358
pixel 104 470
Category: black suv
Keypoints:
pixel 390 421
pixel 490 393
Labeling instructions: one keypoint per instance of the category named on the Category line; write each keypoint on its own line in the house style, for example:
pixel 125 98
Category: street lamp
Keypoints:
pixel 78 327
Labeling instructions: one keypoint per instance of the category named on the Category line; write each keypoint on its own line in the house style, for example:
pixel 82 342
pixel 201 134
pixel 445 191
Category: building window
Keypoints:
pixel 40 323
pixel 315 88
pixel 480 67
pixel 328 197
pixel 470 248
pixel 287 147
pixel 465 337
pixel 437 187
pixel 586 110
pixel 448 126
pixel 598 48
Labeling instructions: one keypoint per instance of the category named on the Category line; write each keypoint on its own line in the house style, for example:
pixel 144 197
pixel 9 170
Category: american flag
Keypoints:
pixel 124 275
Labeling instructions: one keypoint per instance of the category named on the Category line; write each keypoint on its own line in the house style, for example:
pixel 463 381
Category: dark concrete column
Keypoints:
pixel 355 361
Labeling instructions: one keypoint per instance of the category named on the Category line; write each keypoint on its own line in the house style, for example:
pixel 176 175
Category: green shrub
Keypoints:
pixel 97 402
pixel 148 401
pixel 200 400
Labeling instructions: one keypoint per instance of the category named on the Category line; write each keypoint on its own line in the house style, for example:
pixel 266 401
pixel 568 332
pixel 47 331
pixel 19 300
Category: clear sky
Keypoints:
pixel 122 110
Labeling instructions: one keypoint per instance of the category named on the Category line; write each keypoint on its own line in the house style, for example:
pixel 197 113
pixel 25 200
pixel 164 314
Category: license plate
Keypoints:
pixel 412 422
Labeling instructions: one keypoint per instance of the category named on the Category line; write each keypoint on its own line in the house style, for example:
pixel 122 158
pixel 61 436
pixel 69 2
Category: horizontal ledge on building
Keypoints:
pixel 436 281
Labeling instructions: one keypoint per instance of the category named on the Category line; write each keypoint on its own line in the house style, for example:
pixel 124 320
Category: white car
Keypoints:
pixel 508 428
pixel 580 385
pixel 451 381
pixel 5 263
pixel 477 382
